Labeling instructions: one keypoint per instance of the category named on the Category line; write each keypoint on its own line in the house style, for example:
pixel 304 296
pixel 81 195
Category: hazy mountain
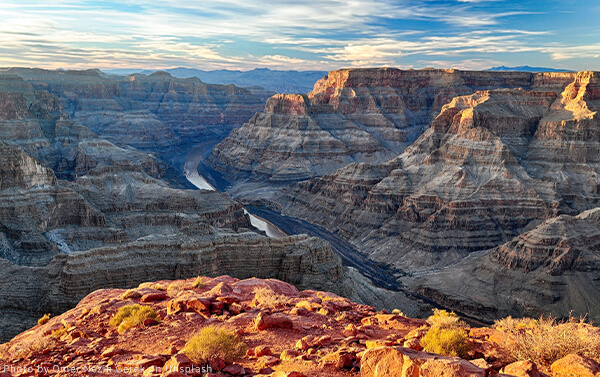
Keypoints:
pixel 526 68
pixel 278 81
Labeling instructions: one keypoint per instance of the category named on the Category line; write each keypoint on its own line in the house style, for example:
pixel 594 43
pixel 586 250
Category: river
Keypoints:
pixel 382 275
pixel 206 178
pixel 190 169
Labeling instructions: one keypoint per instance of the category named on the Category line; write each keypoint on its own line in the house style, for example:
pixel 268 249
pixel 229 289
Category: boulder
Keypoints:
pixel 275 321
pixel 523 368
pixel 574 365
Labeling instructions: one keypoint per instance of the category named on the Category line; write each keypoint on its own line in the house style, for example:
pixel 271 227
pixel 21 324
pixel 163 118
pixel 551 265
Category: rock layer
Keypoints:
pixel 156 113
pixel 551 269
pixel 359 115
pixel 475 179
pixel 491 168
pixel 78 213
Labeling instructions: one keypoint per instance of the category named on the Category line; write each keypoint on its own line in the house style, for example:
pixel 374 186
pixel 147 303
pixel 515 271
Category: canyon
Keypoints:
pixel 452 177
pixel 79 212
pixel 474 191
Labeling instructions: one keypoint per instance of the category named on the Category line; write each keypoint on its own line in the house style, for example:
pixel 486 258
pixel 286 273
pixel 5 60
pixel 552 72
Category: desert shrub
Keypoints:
pixel 444 319
pixel 131 293
pixel 266 296
pixel 446 341
pixel 546 340
pixel 132 315
pixel 44 319
pixel 38 344
pixel 199 282
pixel 174 288
pixel 214 342
pixel 59 332
pixel 515 325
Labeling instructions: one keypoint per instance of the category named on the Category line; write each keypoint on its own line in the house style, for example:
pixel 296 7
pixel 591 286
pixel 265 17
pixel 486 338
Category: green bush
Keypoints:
pixel 214 342
pixel 446 341
pixel 132 315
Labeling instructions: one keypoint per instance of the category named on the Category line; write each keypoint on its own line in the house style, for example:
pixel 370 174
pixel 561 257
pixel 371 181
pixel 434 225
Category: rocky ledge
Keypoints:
pixel 273 329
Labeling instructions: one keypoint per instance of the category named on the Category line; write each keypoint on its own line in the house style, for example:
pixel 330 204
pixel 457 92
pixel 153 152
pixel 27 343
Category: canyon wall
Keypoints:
pixel 79 213
pixel 155 113
pixel 355 115
pixel 490 169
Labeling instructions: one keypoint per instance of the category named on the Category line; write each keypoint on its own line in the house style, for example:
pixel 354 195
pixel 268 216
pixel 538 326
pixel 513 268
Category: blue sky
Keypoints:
pixel 302 35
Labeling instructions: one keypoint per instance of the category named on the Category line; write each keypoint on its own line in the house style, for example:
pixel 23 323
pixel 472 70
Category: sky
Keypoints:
pixel 299 35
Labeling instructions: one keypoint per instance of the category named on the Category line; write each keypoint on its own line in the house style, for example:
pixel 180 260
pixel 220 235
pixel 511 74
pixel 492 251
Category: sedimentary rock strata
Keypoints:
pixel 551 269
pixel 476 178
pixel 359 115
pixel 492 166
pixel 157 113
pixel 78 213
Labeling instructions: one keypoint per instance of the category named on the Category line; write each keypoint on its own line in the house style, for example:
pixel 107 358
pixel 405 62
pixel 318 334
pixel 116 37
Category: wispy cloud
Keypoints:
pixel 313 34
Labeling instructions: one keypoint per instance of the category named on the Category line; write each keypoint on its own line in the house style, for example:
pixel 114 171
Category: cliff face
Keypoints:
pixel 78 213
pixel 492 166
pixel 551 269
pixel 156 113
pixel 362 115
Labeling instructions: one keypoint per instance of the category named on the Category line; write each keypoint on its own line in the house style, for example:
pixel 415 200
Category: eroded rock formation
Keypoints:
pixel 78 213
pixel 155 113
pixel 357 115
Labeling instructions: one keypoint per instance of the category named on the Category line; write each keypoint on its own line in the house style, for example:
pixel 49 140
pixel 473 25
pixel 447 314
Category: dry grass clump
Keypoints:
pixel 175 288
pixel 131 293
pixel 213 342
pixel 36 345
pixel 44 319
pixel 131 316
pixel 199 282
pixel 446 336
pixel 514 325
pixel 266 297
pixel 59 332
pixel 546 340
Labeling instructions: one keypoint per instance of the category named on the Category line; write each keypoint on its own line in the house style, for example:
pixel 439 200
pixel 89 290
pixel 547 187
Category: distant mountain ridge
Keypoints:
pixel 526 68
pixel 278 81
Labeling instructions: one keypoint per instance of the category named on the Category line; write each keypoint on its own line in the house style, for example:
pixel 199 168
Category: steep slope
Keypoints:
pixel 492 166
pixel 155 113
pixel 359 115
pixel 552 269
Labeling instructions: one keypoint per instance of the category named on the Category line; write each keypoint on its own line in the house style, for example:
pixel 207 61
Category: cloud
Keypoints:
pixel 313 34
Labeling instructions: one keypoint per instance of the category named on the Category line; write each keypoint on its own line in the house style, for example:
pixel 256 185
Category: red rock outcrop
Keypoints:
pixel 311 343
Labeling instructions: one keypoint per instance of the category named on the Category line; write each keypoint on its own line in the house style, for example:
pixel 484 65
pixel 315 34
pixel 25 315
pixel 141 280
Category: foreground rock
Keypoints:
pixel 282 331
pixel 336 337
